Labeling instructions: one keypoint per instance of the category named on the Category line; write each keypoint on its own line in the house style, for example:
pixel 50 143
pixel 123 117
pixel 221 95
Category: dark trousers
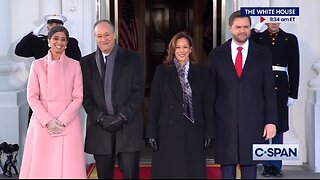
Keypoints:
pixel 128 163
pixel 230 171
pixel 277 139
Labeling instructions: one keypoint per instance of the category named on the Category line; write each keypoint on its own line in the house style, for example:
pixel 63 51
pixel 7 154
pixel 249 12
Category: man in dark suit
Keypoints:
pixel 285 62
pixel 244 99
pixel 35 44
pixel 113 80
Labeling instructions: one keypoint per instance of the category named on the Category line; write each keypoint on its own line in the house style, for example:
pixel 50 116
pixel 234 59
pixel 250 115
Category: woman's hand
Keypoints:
pixel 55 127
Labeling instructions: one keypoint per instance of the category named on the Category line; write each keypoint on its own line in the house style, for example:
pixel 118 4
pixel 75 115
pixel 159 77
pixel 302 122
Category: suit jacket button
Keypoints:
pixel 171 107
pixel 171 122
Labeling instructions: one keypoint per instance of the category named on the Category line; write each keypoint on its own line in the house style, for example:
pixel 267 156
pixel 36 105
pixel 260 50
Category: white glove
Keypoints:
pixel 37 30
pixel 259 26
pixel 290 101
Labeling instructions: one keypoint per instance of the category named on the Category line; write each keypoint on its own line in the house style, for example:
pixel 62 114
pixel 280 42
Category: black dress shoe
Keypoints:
pixel 277 172
pixel 267 171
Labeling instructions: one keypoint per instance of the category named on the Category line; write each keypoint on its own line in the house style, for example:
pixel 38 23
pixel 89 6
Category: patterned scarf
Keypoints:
pixel 186 89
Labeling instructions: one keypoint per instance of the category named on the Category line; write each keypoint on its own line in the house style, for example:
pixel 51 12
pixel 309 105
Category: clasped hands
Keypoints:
pixel 55 127
pixel 111 122
pixel 153 143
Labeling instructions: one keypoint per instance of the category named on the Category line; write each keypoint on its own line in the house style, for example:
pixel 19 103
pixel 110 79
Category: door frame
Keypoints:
pixel 104 11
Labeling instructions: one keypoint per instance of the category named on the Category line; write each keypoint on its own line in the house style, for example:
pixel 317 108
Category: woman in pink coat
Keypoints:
pixel 54 144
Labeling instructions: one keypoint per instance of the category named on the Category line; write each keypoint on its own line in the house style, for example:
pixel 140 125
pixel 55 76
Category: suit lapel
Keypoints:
pixel 192 76
pixel 250 59
pixel 175 83
pixel 229 62
pixel 98 56
pixel 118 64
pixel 97 76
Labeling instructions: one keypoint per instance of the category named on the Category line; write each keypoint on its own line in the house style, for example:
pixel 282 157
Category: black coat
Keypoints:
pixel 37 47
pixel 181 144
pixel 127 97
pixel 242 106
pixel 285 53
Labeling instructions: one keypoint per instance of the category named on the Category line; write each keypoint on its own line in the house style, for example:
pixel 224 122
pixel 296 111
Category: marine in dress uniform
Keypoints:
pixel 35 43
pixel 285 60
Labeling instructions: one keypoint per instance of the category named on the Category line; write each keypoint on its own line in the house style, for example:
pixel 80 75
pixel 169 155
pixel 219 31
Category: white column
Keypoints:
pixel 7 68
pixel 52 6
pixel 49 7
pixel 9 83
pixel 12 90
pixel 313 120
pixel 81 18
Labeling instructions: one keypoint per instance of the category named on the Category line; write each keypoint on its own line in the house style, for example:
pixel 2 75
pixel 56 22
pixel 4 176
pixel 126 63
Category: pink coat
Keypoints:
pixel 54 91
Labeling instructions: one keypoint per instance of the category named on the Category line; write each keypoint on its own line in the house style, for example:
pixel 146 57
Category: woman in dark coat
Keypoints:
pixel 180 114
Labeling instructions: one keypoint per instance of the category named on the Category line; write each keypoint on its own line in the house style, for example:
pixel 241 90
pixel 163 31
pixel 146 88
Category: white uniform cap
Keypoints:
pixel 55 17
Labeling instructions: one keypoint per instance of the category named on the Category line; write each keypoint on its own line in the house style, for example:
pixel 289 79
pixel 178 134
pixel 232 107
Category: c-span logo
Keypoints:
pixel 272 14
pixel 275 152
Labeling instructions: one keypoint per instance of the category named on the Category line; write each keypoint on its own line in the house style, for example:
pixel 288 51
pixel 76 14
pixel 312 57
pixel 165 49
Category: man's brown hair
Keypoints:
pixel 235 15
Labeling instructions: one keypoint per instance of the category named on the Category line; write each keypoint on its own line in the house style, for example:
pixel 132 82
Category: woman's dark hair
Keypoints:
pixel 172 48
pixel 56 29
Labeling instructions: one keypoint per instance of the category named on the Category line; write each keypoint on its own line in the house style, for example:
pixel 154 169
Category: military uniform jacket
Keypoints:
pixel 37 47
pixel 285 53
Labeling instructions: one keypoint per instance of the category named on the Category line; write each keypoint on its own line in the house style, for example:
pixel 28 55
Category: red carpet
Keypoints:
pixel 145 172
